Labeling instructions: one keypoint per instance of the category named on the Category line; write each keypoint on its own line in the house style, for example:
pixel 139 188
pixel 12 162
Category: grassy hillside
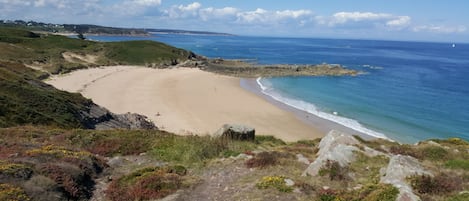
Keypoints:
pixel 26 100
pixel 49 52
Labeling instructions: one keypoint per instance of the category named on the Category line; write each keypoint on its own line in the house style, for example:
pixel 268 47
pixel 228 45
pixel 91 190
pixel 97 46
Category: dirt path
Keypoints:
pixel 220 182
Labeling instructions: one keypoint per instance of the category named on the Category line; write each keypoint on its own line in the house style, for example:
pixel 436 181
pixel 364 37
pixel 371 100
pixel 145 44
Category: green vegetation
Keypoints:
pixel 440 184
pixel 12 193
pixel 147 184
pixel 144 53
pixel 459 197
pixel 367 169
pixel 70 28
pixel 26 100
pixel 263 160
pixel 334 170
pixel 50 156
pixel 277 182
pixel 46 51
pixel 458 164
pixel 381 192
pixel 63 162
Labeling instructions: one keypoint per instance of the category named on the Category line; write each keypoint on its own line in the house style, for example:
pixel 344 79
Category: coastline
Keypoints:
pixel 323 125
pixel 185 100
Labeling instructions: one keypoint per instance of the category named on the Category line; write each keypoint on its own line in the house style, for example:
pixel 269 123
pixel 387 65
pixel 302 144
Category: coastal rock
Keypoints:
pixel 236 132
pixel 136 121
pixel 399 168
pixel 100 118
pixel 335 146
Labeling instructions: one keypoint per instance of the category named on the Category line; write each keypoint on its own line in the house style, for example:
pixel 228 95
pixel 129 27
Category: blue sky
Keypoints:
pixel 422 20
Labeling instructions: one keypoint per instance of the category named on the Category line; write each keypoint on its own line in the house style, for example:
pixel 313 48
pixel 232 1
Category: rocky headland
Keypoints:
pixel 240 68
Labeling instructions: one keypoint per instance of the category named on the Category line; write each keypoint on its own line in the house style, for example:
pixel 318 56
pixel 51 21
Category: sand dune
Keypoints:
pixel 187 100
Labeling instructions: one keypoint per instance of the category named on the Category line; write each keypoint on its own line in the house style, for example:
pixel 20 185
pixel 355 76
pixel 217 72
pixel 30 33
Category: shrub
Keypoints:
pixel 269 140
pixel 43 188
pixel 328 195
pixel 189 149
pixel 383 192
pixel 334 170
pixel 146 184
pixel 262 160
pixel 453 141
pixel 458 164
pixel 439 184
pixel 15 170
pixel 305 187
pixel 73 181
pixel 277 182
pixel 405 150
pixel 367 169
pixel 12 193
pixel 434 153
pixel 58 152
pixel 463 196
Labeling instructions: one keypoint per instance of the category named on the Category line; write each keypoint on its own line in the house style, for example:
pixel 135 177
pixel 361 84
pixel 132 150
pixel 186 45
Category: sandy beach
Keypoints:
pixel 184 100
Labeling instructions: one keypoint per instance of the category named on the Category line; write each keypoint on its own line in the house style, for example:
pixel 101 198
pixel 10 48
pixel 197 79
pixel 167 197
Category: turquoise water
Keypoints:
pixel 412 90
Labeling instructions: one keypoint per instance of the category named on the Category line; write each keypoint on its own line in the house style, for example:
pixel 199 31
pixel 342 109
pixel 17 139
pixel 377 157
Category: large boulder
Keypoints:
pixel 335 146
pixel 399 168
pixel 236 132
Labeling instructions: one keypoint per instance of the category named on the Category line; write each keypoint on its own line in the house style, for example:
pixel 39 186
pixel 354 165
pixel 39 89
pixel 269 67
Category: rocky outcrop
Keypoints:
pixel 100 118
pixel 399 168
pixel 236 132
pixel 335 146
pixel 241 68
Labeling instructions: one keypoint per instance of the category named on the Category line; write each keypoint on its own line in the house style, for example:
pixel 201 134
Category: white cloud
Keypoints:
pixel 274 17
pixel 344 17
pixel 365 19
pixel 399 22
pixel 208 13
pixel 440 29
pixel 148 2
pixel 183 11
pixel 293 13
pixel 190 7
pixel 234 15
pixel 259 15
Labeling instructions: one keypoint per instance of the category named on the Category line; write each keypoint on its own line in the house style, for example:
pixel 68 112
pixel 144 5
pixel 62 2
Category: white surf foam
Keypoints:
pixel 312 109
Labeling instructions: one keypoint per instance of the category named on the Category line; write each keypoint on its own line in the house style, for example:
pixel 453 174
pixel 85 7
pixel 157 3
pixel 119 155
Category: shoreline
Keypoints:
pixel 323 125
pixel 185 100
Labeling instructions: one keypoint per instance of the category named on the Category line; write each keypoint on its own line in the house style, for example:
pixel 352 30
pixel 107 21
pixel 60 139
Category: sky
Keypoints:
pixel 414 20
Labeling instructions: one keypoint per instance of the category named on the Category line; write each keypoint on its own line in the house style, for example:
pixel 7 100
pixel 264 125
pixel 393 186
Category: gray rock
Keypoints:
pixel 236 132
pixel 289 182
pixel 302 159
pixel 399 168
pixel 335 146
pixel 97 117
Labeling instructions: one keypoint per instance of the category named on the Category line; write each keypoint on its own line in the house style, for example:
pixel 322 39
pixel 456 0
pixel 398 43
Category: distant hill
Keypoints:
pixel 59 54
pixel 95 29
pixel 174 31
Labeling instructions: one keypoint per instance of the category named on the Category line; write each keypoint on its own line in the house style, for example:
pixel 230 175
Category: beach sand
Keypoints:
pixel 188 100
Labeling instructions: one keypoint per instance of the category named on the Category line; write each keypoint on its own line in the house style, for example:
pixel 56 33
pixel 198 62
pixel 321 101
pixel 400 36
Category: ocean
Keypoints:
pixel 410 91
